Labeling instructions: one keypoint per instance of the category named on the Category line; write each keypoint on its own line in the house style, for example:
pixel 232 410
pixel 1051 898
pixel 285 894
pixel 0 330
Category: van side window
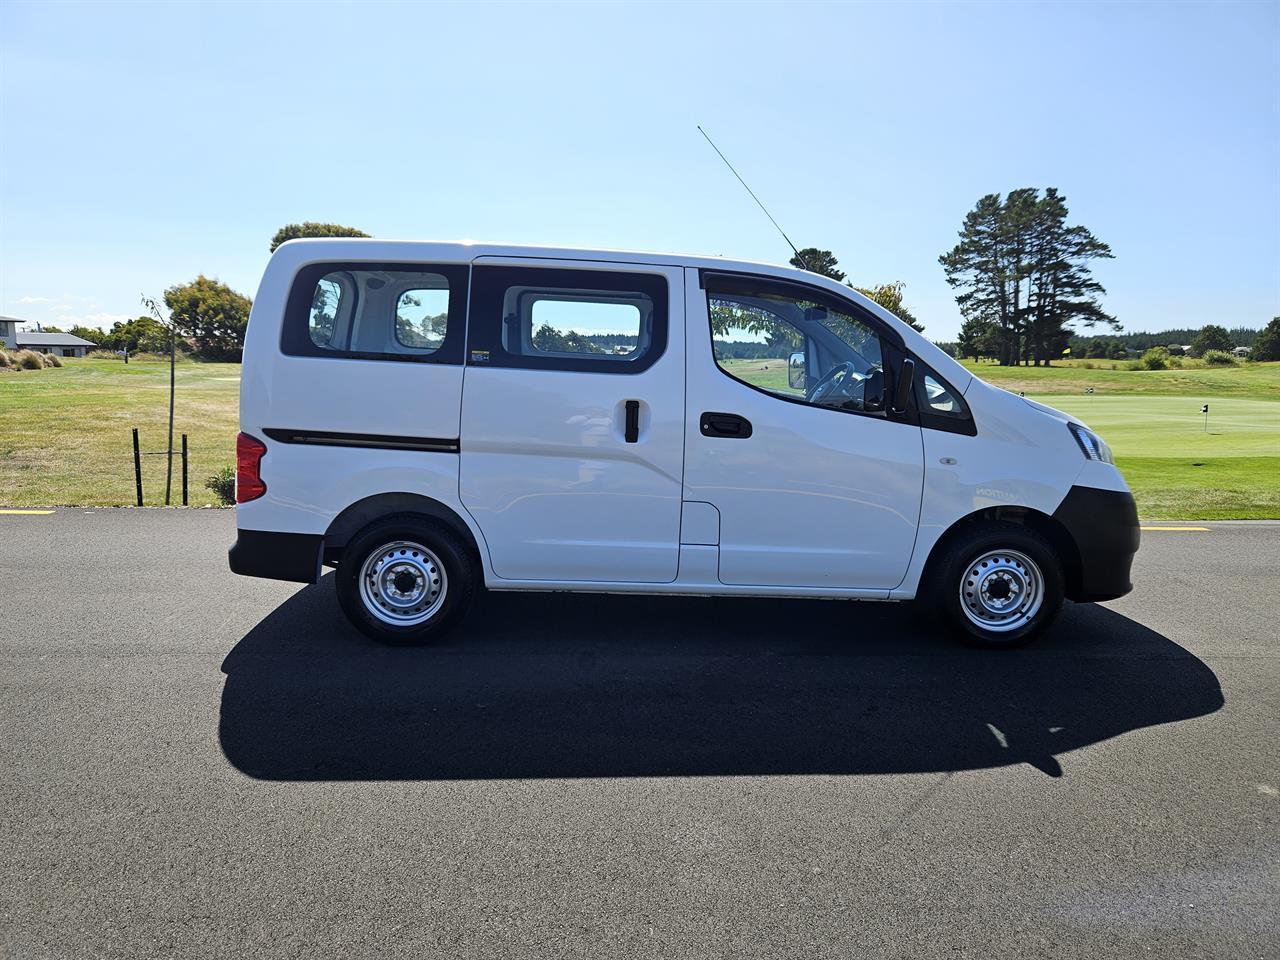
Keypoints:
pixel 596 323
pixel 377 312
pixel 567 319
pixel 798 349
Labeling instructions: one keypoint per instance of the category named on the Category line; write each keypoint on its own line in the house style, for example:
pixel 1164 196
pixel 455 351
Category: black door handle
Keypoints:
pixel 632 432
pixel 727 425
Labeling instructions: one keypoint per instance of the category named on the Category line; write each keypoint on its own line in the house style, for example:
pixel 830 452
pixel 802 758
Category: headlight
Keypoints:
pixel 1091 445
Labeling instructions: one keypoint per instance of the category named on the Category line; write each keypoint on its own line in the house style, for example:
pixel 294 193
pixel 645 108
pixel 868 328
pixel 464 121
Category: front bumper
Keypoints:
pixel 1103 524
pixel 277 556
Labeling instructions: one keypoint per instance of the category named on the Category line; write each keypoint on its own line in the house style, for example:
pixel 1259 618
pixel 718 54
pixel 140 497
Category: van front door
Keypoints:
pixel 789 436
pixel 572 436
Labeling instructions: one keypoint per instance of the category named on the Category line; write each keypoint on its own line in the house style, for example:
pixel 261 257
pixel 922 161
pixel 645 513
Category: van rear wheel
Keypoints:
pixel 997 584
pixel 405 580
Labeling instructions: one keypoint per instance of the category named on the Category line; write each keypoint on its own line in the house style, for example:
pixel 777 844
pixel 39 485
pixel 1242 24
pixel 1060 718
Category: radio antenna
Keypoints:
pixel 753 197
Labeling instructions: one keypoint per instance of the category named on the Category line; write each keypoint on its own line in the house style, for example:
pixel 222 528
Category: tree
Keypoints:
pixel 818 261
pixel 1117 351
pixel 1062 290
pixel 1157 358
pixel 139 334
pixel 1096 349
pixel 1267 346
pixel 977 265
pixel 296 231
pixel 889 296
pixel 212 315
pixel 1024 239
pixel 548 339
pixel 1211 337
pixel 92 334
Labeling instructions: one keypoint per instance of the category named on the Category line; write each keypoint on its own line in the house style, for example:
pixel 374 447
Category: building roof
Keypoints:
pixel 51 340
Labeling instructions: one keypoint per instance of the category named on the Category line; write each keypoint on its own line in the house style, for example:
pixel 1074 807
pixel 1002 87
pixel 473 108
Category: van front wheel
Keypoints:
pixel 997 585
pixel 405 580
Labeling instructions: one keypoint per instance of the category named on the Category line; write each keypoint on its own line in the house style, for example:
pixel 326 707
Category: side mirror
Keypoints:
pixel 795 371
pixel 902 389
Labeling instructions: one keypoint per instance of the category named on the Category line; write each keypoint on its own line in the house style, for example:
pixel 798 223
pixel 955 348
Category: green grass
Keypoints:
pixel 1177 468
pixel 65 432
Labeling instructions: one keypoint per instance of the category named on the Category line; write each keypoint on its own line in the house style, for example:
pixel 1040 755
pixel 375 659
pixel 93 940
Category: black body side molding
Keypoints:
pixel 378 440
pixel 1104 526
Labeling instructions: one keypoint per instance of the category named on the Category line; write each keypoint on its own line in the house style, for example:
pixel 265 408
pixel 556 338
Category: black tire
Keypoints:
pixel 442 551
pixel 960 562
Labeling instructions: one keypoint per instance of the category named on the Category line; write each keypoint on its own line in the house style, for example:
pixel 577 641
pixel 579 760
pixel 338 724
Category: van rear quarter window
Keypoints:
pixel 404 312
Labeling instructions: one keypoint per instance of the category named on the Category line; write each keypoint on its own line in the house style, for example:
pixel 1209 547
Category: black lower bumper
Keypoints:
pixel 1104 526
pixel 277 556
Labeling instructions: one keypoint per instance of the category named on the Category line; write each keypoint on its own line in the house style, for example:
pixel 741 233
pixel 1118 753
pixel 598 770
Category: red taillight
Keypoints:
pixel 249 485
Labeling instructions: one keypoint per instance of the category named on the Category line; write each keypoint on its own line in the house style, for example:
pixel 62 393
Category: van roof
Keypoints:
pixel 465 250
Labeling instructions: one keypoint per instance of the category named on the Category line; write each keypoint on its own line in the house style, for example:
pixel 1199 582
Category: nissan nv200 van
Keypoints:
pixel 433 418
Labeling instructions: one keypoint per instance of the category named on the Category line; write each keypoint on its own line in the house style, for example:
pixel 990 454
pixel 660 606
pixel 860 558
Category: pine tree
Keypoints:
pixel 1063 290
pixel 977 265
pixel 1025 239
pixel 818 261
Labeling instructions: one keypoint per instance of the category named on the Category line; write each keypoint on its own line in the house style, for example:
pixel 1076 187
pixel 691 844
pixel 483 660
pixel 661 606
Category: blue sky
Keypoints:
pixel 143 144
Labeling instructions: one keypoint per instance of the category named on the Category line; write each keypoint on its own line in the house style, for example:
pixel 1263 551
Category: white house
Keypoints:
pixel 62 344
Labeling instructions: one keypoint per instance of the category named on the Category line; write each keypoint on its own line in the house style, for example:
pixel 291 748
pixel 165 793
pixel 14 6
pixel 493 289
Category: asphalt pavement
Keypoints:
pixel 200 765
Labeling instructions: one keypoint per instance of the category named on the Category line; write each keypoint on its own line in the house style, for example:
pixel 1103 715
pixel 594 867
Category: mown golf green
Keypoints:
pixel 65 433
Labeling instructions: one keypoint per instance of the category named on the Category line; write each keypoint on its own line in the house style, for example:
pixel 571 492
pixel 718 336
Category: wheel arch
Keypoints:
pixel 364 512
pixel 1057 535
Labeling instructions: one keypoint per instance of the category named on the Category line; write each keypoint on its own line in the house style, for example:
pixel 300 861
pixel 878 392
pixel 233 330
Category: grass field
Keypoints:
pixel 64 433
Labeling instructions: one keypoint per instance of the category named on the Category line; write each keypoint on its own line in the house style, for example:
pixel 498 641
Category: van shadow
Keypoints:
pixel 558 685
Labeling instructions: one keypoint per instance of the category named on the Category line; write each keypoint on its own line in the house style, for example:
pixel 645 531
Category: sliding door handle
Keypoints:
pixel 725 425
pixel 632 431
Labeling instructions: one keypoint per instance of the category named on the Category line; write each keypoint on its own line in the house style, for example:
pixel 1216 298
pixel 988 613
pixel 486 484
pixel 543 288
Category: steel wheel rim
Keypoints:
pixel 403 584
pixel 1001 590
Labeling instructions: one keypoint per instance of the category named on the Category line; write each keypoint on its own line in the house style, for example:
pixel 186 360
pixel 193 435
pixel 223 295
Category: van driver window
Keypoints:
pixel 798 349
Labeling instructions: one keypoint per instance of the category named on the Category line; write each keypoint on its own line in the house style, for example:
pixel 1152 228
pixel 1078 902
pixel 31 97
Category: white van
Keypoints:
pixel 430 418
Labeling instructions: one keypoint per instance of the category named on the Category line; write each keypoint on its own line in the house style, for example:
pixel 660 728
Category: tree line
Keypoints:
pixel 1263 345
